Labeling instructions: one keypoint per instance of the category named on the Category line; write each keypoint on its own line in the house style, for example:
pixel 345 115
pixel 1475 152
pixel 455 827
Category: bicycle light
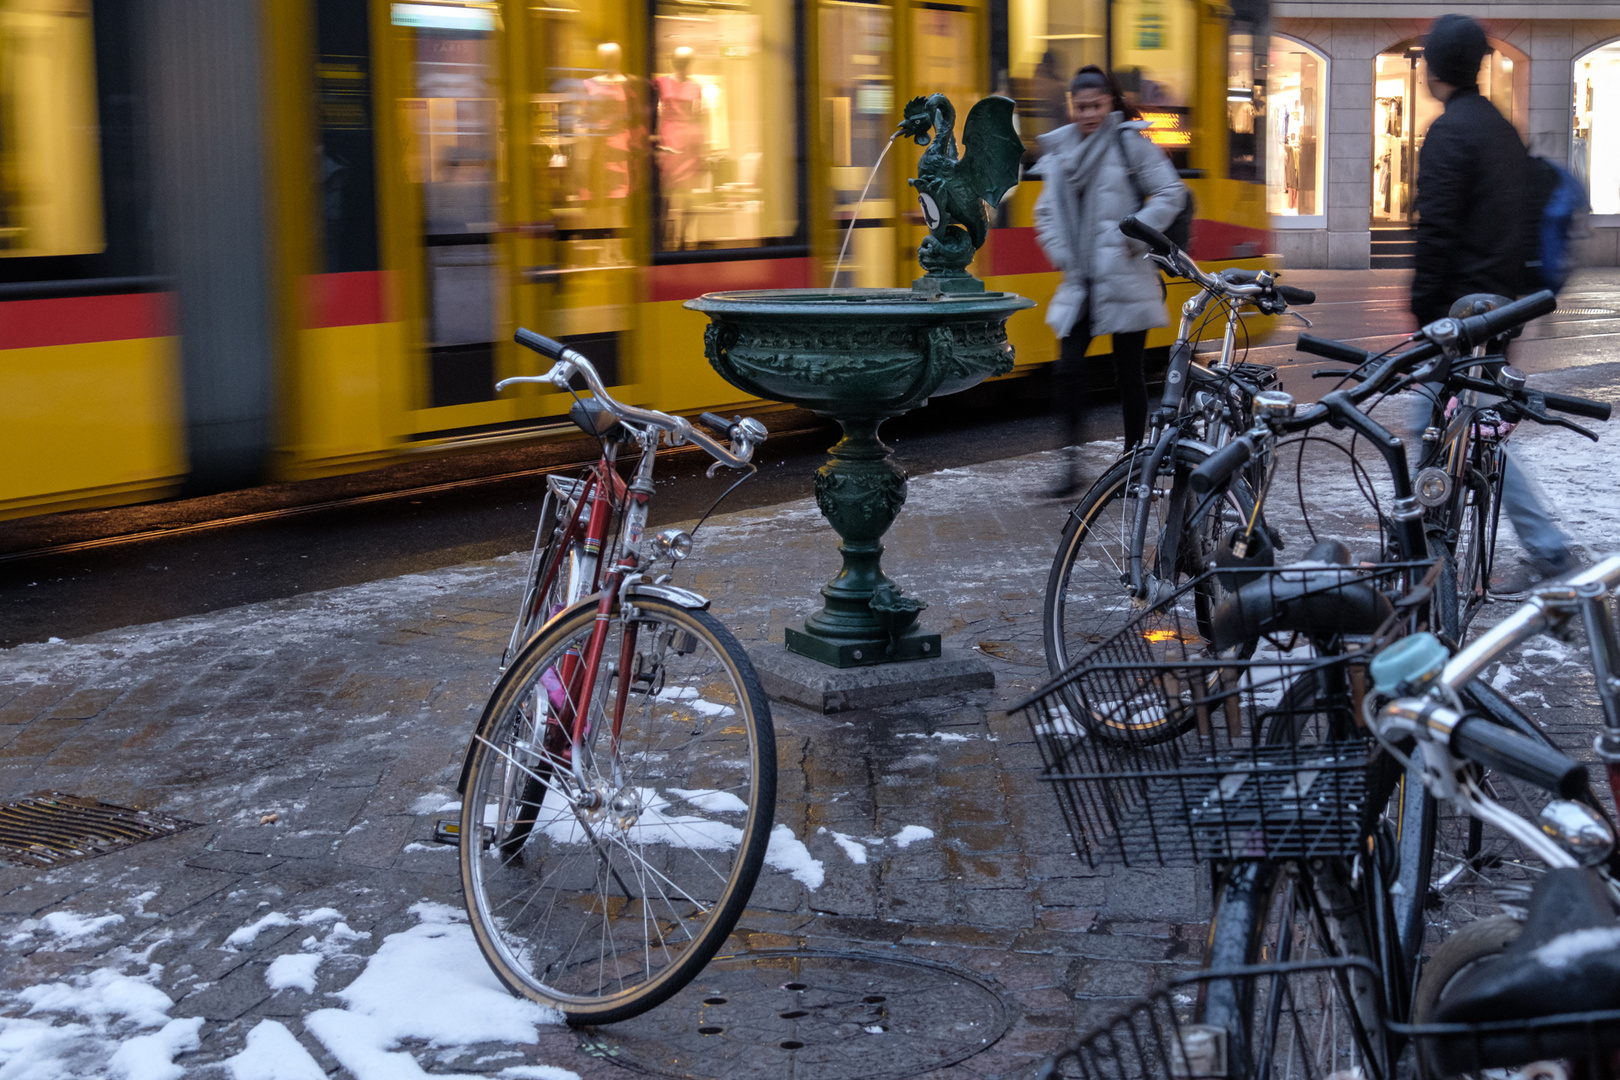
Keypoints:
pixel 1433 486
pixel 674 544
pixel 1409 665
pixel 1577 829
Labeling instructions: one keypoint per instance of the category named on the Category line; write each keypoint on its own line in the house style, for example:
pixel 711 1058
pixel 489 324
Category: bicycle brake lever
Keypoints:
pixel 1298 316
pixel 1554 421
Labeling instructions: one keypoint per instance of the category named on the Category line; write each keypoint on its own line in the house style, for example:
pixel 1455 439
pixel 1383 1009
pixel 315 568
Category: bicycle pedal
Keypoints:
pixel 449 832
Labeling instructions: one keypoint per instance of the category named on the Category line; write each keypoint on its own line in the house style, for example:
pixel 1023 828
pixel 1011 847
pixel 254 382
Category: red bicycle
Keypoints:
pixel 618 793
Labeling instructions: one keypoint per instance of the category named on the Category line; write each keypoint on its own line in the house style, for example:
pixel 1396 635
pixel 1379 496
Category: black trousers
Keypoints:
pixel 1066 398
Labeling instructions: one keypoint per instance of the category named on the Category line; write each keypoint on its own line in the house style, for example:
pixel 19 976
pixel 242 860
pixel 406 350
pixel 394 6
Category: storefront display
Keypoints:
pixel 1595 150
pixel 1296 105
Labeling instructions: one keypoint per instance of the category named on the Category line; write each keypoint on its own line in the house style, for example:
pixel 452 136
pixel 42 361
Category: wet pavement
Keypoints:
pixel 309 925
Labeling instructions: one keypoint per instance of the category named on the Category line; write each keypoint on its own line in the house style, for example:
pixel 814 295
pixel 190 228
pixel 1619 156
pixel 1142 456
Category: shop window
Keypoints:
pixel 1296 154
pixel 724 123
pixel 50 169
pixel 1595 154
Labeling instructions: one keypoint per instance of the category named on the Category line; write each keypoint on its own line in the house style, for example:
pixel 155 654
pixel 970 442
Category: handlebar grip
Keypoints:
pixel 1296 297
pixel 540 343
pixel 1478 329
pixel 1219 466
pixel 718 424
pixel 1147 234
pixel 1494 746
pixel 1577 406
pixel 1333 350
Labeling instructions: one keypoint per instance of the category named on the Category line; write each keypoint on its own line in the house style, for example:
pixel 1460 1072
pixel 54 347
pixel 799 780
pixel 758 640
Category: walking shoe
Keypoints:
pixel 1518 583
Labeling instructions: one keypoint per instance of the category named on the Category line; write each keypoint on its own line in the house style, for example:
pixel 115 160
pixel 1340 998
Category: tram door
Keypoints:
pixel 450 120
pixel 943 50
pixel 580 154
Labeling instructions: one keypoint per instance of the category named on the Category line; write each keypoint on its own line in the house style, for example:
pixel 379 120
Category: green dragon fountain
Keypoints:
pixel 862 355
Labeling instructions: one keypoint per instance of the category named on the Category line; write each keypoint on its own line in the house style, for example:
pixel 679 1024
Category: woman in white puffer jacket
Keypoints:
pixel 1086 170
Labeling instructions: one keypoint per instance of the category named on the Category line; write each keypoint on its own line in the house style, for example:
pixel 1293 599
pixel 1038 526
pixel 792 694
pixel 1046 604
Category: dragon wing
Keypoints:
pixel 991 150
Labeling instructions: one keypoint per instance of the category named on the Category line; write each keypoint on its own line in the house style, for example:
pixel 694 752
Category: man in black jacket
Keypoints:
pixel 1471 213
pixel 1470 184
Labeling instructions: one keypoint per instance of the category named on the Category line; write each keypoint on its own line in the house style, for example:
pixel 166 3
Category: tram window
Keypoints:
pixel 723 139
pixel 857 105
pixel 1046 44
pixel 451 125
pixel 1154 49
pixel 50 171
pixel 1247 56
pixel 1296 106
pixel 343 110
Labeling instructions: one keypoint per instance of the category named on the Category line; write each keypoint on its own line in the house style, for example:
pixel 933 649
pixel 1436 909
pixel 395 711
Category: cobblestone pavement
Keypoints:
pixel 345 714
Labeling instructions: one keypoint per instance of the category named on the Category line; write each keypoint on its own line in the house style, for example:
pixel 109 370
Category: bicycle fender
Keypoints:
pixel 682 598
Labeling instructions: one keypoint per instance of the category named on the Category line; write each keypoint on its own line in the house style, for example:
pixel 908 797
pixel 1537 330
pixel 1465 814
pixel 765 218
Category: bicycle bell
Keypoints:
pixel 1273 405
pixel 1409 665
pixel 1577 829
pixel 1510 379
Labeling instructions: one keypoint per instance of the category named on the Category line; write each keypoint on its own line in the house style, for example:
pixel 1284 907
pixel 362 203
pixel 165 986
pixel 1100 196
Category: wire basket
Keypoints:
pixel 1297 1020
pixel 1568 1045
pixel 1164 750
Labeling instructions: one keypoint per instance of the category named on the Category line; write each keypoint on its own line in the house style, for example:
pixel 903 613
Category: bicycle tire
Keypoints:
pixel 683 808
pixel 1278 912
pixel 1097 538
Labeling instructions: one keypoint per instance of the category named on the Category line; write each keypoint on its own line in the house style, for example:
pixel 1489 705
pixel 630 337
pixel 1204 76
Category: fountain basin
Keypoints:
pixel 859 356
pixel 857 352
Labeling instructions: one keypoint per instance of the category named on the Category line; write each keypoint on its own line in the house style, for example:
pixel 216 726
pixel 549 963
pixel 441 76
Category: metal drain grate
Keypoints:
pixel 810 1015
pixel 51 828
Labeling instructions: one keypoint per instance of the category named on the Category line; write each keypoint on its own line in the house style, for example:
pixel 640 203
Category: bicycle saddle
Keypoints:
pixel 1565 960
pixel 591 418
pixel 1320 596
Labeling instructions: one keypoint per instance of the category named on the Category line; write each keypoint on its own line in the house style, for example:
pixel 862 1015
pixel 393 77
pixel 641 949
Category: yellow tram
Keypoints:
pixel 292 238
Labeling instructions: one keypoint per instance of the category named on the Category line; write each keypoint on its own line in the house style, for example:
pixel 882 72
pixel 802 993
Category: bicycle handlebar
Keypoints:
pixel 568 363
pixel 1147 234
pixel 1332 350
pixel 1296 297
pixel 1577 406
pixel 1478 329
pixel 1221 465
pixel 1479 740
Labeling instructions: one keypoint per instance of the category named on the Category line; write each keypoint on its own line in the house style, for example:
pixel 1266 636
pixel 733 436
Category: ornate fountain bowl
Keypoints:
pixel 859 356
pixel 857 353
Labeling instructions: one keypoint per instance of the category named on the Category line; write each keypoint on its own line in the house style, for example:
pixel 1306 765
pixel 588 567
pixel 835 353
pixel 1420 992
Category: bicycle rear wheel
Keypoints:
pixel 600 879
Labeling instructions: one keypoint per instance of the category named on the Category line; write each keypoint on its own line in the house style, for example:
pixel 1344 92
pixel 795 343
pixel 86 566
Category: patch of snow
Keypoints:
pixel 428 983
pixel 103 995
pixel 295 970
pixel 911 834
pixel 435 804
pixel 788 854
pixel 942 736
pixel 414 846
pixel 273 1053
pixel 319 915
pixel 716 802
pixel 875 1029
pixel 537 1072
pixel 692 699
pixel 243 936
pixel 1565 949
pixel 71 926
pixel 151 1057
pixel 852 847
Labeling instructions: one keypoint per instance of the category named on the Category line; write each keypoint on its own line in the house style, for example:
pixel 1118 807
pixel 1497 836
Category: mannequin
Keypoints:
pixel 612 113
pixel 680 144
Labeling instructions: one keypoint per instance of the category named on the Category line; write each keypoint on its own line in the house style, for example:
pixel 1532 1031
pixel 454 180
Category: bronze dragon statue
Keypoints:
pixel 959 194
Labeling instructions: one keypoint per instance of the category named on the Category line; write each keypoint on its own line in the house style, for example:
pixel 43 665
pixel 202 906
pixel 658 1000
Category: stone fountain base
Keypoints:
pixel 810 684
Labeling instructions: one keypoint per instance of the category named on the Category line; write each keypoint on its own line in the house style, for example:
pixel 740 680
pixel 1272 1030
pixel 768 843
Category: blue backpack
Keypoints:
pixel 1554 200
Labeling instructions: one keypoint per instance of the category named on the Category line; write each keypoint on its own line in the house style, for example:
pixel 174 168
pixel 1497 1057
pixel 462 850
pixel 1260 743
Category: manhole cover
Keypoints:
pixel 811 1016
pixel 52 829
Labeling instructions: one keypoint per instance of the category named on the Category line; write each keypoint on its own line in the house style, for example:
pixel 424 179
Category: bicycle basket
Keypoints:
pixel 1163 750
pixel 1567 1045
pixel 1294 1020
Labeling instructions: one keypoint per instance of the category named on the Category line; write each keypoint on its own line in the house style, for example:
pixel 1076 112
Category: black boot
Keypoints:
pixel 1068 481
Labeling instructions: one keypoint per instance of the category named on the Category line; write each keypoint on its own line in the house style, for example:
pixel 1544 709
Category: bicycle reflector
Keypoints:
pixel 1409 665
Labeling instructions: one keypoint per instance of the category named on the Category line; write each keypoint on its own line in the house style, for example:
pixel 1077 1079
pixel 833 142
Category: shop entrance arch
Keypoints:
pixel 1403 109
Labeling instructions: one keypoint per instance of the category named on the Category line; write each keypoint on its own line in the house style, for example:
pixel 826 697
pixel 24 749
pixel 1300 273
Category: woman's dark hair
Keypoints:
pixel 1092 77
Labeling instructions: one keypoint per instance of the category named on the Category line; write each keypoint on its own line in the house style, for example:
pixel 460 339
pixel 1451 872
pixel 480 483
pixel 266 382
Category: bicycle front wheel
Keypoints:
pixel 601 877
